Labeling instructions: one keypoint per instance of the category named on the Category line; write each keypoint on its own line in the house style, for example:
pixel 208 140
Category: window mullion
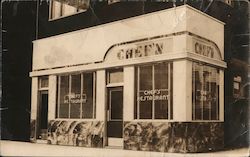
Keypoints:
pixel 70 79
pixel 169 89
pixel 82 91
pixel 138 93
pixel 194 92
pixel 94 103
pixel 209 89
pixel 153 87
pixel 202 90
pixel 58 99
pixel 81 84
pixel 217 94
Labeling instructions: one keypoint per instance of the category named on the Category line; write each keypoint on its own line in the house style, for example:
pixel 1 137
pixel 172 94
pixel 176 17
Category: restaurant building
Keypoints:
pixel 153 82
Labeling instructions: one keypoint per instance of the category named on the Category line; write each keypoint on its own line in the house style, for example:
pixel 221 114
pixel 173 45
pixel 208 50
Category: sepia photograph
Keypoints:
pixel 125 78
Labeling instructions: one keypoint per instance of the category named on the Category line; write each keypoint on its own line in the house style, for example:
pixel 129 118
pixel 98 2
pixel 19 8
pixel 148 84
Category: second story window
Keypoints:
pixel 62 8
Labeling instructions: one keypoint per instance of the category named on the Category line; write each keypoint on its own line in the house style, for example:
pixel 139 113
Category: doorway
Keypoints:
pixel 42 115
pixel 115 117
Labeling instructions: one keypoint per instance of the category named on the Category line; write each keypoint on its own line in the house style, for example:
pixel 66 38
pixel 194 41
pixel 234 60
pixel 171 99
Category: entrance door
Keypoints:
pixel 42 117
pixel 115 116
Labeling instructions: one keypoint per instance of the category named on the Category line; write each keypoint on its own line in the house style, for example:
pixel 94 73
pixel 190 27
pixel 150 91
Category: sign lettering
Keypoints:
pixel 144 50
pixel 204 50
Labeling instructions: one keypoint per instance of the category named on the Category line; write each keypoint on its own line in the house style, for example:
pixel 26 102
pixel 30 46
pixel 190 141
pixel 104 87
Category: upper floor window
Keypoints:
pixel 61 8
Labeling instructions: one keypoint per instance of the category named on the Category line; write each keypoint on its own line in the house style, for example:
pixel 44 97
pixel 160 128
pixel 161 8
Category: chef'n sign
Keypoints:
pixel 205 48
pixel 202 49
pixel 142 50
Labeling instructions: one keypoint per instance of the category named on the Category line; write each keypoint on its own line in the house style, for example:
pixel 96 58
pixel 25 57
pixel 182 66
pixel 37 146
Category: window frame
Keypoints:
pixel 81 90
pixel 170 90
pixel 41 78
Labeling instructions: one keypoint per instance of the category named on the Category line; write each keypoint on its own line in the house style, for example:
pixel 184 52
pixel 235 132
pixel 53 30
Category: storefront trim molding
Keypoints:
pixel 100 66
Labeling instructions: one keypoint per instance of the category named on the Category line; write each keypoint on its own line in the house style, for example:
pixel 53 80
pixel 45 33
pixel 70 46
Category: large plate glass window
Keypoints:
pixel 61 8
pixel 154 91
pixel 76 96
pixel 205 92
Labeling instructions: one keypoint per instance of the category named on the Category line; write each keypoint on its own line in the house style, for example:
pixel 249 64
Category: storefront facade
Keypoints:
pixel 153 82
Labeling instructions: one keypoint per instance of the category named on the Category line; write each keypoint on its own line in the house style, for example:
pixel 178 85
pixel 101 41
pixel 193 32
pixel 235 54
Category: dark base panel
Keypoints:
pixel 76 133
pixel 33 130
pixel 176 137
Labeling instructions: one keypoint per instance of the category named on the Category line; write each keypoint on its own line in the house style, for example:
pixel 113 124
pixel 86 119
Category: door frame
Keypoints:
pixel 39 108
pixel 108 113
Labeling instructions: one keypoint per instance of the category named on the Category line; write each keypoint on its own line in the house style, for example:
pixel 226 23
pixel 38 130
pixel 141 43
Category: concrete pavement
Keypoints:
pixel 14 148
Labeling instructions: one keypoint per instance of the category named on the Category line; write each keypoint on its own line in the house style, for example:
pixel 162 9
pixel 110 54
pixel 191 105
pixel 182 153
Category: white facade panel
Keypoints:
pixel 52 97
pixel 34 97
pixel 182 90
pixel 207 27
pixel 128 93
pixel 100 94
pixel 80 47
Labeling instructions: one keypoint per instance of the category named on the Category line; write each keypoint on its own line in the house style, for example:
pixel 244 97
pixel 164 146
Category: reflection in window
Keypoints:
pixel 205 92
pixel 76 99
pixel 154 86
pixel 60 8
pixel 236 86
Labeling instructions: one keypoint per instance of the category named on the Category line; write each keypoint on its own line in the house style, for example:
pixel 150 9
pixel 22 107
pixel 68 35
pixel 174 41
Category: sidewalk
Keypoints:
pixel 13 148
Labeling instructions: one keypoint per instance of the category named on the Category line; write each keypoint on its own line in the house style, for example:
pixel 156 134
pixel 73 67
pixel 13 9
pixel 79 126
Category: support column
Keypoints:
pixel 34 103
pixel 182 90
pixel 128 93
pixel 52 98
pixel 34 98
pixel 100 95
pixel 221 96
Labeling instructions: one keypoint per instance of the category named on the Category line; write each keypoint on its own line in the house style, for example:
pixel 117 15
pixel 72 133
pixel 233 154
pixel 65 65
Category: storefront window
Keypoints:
pixel 75 96
pixel 154 84
pixel 205 92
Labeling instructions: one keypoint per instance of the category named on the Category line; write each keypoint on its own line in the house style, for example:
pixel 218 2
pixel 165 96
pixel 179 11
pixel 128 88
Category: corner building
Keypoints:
pixel 153 82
